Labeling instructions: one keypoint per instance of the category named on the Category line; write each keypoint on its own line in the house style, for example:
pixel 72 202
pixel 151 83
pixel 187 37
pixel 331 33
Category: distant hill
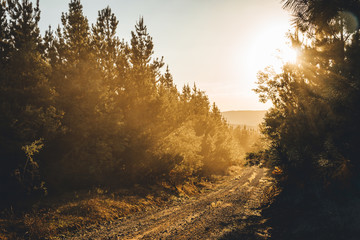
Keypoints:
pixel 249 118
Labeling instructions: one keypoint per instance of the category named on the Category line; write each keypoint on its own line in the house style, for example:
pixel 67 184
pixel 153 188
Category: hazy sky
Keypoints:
pixel 218 44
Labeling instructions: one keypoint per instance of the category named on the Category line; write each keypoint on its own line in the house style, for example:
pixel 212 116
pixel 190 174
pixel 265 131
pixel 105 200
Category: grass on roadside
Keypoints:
pixel 56 218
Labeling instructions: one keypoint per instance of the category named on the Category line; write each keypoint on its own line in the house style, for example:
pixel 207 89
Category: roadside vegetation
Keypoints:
pixel 59 216
pixel 313 126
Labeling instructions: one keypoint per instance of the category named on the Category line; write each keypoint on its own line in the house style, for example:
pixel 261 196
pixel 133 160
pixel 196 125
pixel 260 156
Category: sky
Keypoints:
pixel 218 44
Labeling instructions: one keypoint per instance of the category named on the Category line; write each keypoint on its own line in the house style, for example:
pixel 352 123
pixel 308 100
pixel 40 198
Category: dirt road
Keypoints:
pixel 227 212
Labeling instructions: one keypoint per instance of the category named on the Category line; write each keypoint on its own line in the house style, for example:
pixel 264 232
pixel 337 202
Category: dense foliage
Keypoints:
pixel 314 124
pixel 80 108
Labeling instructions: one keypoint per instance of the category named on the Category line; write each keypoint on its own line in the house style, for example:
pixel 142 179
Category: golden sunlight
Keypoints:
pixel 271 48
pixel 288 54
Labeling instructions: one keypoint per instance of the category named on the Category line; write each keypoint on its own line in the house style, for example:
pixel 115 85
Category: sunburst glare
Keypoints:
pixel 271 48
pixel 288 55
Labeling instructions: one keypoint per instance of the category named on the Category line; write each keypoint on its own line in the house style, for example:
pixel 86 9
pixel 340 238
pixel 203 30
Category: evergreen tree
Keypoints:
pixel 144 69
pixel 313 123
pixel 107 45
pixel 112 65
pixel 80 86
pixel 27 99
pixel 4 34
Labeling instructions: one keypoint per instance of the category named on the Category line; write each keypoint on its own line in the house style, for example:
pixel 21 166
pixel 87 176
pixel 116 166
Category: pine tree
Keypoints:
pixel 78 81
pixel 80 86
pixel 111 63
pixel 314 100
pixel 27 98
pixel 144 69
pixel 141 45
pixel 167 80
pixel 107 46
pixel 4 34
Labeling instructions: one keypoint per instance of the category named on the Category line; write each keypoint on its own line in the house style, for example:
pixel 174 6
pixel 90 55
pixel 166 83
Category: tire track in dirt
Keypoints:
pixel 212 215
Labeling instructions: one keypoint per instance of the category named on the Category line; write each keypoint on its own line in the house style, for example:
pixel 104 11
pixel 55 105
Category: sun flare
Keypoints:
pixel 271 48
pixel 288 55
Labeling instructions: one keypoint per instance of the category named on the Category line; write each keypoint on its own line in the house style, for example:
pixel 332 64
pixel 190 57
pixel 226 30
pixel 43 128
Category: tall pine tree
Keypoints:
pixel 27 99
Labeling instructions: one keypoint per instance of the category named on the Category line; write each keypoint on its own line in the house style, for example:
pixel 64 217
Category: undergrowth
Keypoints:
pixel 55 218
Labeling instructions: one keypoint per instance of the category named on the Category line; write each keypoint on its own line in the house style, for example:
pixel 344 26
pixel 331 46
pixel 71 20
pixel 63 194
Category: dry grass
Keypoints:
pixel 75 215
pixel 86 209
pixel 71 217
pixel 269 194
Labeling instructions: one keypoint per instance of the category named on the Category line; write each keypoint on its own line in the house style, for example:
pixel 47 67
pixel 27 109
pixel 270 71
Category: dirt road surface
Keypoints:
pixel 229 211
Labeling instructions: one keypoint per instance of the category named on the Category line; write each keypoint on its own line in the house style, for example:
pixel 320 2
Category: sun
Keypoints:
pixel 267 46
pixel 288 54
pixel 271 47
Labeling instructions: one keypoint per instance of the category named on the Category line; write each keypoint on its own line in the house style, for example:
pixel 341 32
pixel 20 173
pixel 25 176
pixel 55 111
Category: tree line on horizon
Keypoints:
pixel 79 108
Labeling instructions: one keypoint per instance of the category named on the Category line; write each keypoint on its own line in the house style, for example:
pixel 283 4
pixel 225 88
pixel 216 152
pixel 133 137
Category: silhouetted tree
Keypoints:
pixel 27 112
pixel 313 122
